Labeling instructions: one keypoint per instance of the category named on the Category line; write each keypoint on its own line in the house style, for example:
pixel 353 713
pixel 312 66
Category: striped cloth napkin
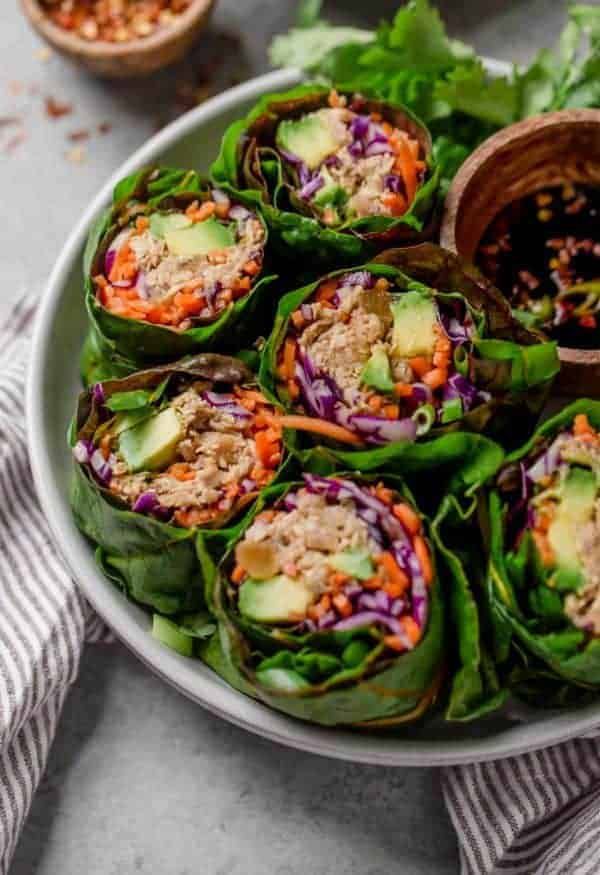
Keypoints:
pixel 537 813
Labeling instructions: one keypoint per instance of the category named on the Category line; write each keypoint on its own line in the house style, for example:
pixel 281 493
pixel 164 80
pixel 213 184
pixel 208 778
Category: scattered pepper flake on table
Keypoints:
pixel 57 108
pixel 115 21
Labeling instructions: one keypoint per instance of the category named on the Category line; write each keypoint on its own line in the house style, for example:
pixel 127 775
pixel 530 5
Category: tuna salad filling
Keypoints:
pixel 193 460
pixel 378 364
pixel 559 515
pixel 345 164
pixel 182 268
pixel 334 555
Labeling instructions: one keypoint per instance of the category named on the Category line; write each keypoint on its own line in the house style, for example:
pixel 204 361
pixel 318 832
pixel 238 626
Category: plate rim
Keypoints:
pixel 191 677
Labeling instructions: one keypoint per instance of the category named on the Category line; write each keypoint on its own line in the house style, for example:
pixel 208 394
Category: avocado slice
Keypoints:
pixel 575 509
pixel 162 223
pixel 377 372
pixel 355 563
pixel 309 138
pixel 415 321
pixel 331 195
pixel 200 238
pixel 280 599
pixel 152 444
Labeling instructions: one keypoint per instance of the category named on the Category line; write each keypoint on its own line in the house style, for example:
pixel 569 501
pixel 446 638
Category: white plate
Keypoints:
pixel 53 385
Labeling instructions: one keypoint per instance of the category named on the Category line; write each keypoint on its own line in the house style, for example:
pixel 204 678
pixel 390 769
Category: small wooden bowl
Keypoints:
pixel 533 154
pixel 137 57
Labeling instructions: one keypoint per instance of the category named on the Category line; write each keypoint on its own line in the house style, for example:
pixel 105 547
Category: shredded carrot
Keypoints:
pixel 142 224
pixel 202 212
pixel 391 411
pixel 405 163
pixel 373 583
pixel 293 389
pixel 412 629
pixel 423 555
pixel 394 590
pixel 544 549
pixel 266 516
pixel 337 580
pixel 193 517
pixel 408 517
pixel 320 426
pixel 375 402
pixel 334 98
pixel 222 209
pixel 420 365
pixel 289 358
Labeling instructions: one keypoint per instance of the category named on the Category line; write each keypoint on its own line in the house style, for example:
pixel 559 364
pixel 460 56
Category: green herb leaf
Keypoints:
pixel 134 400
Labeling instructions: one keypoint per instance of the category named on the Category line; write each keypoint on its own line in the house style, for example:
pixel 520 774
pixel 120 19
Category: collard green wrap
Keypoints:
pixel 384 689
pixel 512 365
pixel 154 561
pixel 249 165
pixel 545 657
pixel 118 345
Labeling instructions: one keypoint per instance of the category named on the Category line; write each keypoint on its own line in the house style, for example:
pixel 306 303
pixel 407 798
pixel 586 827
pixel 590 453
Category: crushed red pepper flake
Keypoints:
pixel 115 21
pixel 56 108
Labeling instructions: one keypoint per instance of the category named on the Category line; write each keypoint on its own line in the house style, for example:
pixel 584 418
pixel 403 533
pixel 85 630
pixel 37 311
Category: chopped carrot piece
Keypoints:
pixel 327 290
pixel 395 203
pixel 392 411
pixel 334 98
pixel 394 573
pixel 424 556
pixel 408 517
pixel 252 267
pixel 238 574
pixel 384 494
pixel 342 604
pixel 181 471
pixel 581 425
pixel 420 365
pixel 394 642
pixel 435 378
pixel 298 319
pixel 222 209
pixel 375 402
pixel 412 629
pixel 403 390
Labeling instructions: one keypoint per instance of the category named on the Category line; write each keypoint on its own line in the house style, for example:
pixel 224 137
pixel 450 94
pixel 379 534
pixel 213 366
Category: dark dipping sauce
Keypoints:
pixel 543 252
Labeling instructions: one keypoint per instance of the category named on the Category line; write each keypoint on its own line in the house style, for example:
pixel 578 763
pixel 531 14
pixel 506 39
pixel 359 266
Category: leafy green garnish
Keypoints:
pixel 411 60
pixel 134 400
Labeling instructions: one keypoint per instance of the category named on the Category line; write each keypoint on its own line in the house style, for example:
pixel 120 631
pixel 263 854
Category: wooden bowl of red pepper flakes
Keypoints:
pixel 120 38
pixel 525 207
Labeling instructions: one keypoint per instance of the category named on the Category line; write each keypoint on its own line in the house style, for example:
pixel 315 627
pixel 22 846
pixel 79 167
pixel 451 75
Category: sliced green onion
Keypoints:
pixel 169 634
pixel 461 360
pixel 354 653
pixel 452 410
pixel 424 417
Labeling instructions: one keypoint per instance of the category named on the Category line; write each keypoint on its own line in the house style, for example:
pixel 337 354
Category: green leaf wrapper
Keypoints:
pixel 248 166
pixel 545 657
pixel 155 562
pixel 375 693
pixel 116 345
pixel 513 363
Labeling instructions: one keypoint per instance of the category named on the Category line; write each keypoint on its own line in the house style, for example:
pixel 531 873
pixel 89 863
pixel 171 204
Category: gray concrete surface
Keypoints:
pixel 139 779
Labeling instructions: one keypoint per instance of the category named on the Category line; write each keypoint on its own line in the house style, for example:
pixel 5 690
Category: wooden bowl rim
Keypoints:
pixel 102 49
pixel 481 156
